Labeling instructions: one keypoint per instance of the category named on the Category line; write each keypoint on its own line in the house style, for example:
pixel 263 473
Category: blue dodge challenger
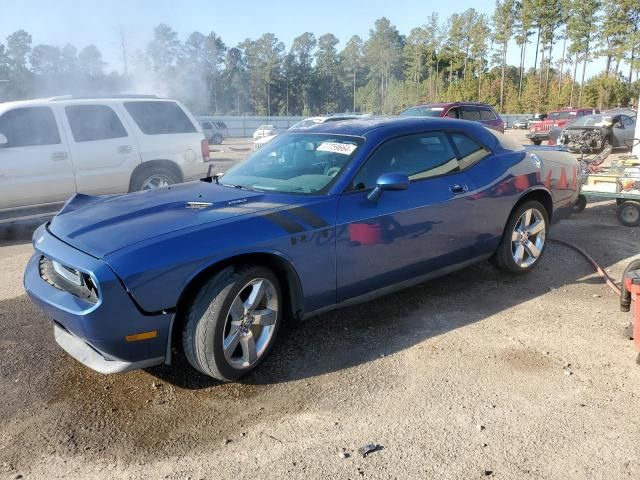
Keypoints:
pixel 319 218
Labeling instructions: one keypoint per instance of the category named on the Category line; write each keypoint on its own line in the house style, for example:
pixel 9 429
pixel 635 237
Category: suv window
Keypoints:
pixel 627 121
pixel 419 156
pixel 221 125
pixel 94 122
pixel 470 151
pixel 470 113
pixel 157 118
pixel 207 126
pixel 453 113
pixel 28 127
pixel 487 114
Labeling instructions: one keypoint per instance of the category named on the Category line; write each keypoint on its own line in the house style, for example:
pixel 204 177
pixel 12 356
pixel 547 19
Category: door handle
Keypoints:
pixel 125 149
pixel 458 188
pixel 58 156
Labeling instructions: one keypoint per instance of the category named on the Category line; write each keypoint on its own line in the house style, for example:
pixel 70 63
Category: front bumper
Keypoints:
pixel 95 333
pixel 538 136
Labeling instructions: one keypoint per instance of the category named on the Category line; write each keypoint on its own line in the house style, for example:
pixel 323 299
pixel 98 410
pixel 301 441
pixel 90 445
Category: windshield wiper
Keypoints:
pixel 240 187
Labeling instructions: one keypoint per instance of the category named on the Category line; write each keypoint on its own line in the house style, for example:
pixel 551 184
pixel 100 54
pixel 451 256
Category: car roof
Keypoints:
pixel 451 104
pixel 362 126
pixel 73 100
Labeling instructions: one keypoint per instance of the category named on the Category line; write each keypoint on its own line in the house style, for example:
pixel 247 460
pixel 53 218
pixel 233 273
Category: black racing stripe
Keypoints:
pixel 284 222
pixel 308 217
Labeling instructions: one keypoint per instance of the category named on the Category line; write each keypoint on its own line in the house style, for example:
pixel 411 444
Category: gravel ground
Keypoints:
pixel 473 375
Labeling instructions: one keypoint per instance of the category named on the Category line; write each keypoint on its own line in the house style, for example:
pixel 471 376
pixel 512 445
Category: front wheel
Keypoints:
pixel 217 139
pixel 524 239
pixel 536 142
pixel 233 322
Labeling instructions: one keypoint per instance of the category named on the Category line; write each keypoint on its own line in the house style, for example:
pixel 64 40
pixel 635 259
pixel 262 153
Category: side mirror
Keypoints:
pixel 3 141
pixel 389 181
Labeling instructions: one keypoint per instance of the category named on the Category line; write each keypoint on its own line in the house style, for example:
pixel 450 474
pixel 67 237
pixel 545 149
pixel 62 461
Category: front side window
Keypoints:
pixel 294 163
pixel 90 123
pixel 29 127
pixel 419 156
pixel 158 118
pixel 627 121
pixel 207 126
pixel 453 113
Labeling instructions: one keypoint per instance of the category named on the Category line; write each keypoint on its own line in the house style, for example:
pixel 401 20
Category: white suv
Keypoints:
pixel 53 148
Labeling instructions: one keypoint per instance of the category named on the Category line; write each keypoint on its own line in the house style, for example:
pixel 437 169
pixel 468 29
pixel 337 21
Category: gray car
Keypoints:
pixel 595 132
pixel 215 131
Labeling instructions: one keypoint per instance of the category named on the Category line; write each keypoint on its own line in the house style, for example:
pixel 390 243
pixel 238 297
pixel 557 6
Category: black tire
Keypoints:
pixel 204 328
pixel 580 205
pixel 217 139
pixel 620 201
pixel 141 178
pixel 628 213
pixel 536 142
pixel 503 256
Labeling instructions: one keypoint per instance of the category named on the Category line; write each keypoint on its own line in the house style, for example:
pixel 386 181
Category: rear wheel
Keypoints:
pixel 217 139
pixel 628 213
pixel 233 322
pixel 524 239
pixel 153 177
pixel 580 205
pixel 536 142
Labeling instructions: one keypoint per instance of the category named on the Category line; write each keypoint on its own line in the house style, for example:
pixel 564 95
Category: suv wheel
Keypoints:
pixel 524 239
pixel 536 142
pixel 217 139
pixel 233 322
pixel 153 177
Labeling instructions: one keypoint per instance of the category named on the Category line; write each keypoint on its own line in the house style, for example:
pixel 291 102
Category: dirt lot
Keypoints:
pixel 473 375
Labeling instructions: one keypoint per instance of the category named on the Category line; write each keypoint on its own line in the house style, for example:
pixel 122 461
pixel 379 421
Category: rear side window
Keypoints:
pixel 487 114
pixel 29 127
pixel 221 125
pixel 207 126
pixel 157 118
pixel 94 122
pixel 470 151
pixel 470 113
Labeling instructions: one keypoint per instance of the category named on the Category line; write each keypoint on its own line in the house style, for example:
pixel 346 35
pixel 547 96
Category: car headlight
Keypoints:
pixel 68 279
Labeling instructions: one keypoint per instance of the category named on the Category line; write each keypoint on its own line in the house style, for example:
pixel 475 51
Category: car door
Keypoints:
pixel 404 234
pixel 35 167
pixel 624 129
pixel 103 150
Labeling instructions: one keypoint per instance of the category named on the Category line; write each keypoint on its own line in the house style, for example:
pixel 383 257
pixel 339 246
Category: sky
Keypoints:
pixel 97 22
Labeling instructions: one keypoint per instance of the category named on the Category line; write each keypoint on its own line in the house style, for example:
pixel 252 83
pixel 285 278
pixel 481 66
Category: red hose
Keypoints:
pixel 607 278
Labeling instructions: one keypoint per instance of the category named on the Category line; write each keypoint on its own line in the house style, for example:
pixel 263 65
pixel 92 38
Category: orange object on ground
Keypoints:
pixel 632 285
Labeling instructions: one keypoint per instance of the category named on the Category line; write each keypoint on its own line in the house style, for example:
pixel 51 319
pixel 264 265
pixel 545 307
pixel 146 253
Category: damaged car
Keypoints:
pixel 317 219
pixel 593 133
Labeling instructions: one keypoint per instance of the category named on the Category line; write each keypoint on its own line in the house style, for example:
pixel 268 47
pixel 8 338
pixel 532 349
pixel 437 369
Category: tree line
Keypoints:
pixel 462 57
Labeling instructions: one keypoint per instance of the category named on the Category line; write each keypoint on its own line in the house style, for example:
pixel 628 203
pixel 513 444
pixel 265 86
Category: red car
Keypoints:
pixel 557 118
pixel 477 112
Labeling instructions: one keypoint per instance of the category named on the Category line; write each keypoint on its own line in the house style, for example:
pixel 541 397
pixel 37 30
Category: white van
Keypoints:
pixel 53 148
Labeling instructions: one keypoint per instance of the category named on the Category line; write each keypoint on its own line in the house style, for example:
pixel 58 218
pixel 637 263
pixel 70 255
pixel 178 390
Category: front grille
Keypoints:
pixel 78 284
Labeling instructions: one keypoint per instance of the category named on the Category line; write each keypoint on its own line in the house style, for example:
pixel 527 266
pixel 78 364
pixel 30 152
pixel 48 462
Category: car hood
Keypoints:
pixel 101 225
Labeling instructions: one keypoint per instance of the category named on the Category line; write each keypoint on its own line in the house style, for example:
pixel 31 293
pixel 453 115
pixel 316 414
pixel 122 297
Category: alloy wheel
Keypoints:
pixel 156 181
pixel 250 323
pixel 528 237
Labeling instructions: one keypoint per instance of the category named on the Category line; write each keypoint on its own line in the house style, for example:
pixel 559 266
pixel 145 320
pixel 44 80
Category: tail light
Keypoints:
pixel 204 144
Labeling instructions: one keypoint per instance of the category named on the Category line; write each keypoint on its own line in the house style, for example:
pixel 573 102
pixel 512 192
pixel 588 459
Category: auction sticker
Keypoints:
pixel 342 148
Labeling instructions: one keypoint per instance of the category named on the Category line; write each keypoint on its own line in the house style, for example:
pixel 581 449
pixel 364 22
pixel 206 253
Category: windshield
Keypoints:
pixel 561 115
pixel 422 112
pixel 592 121
pixel 294 163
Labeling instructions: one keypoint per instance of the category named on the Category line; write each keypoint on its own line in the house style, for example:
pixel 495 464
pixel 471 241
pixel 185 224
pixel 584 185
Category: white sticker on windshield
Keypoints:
pixel 341 148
